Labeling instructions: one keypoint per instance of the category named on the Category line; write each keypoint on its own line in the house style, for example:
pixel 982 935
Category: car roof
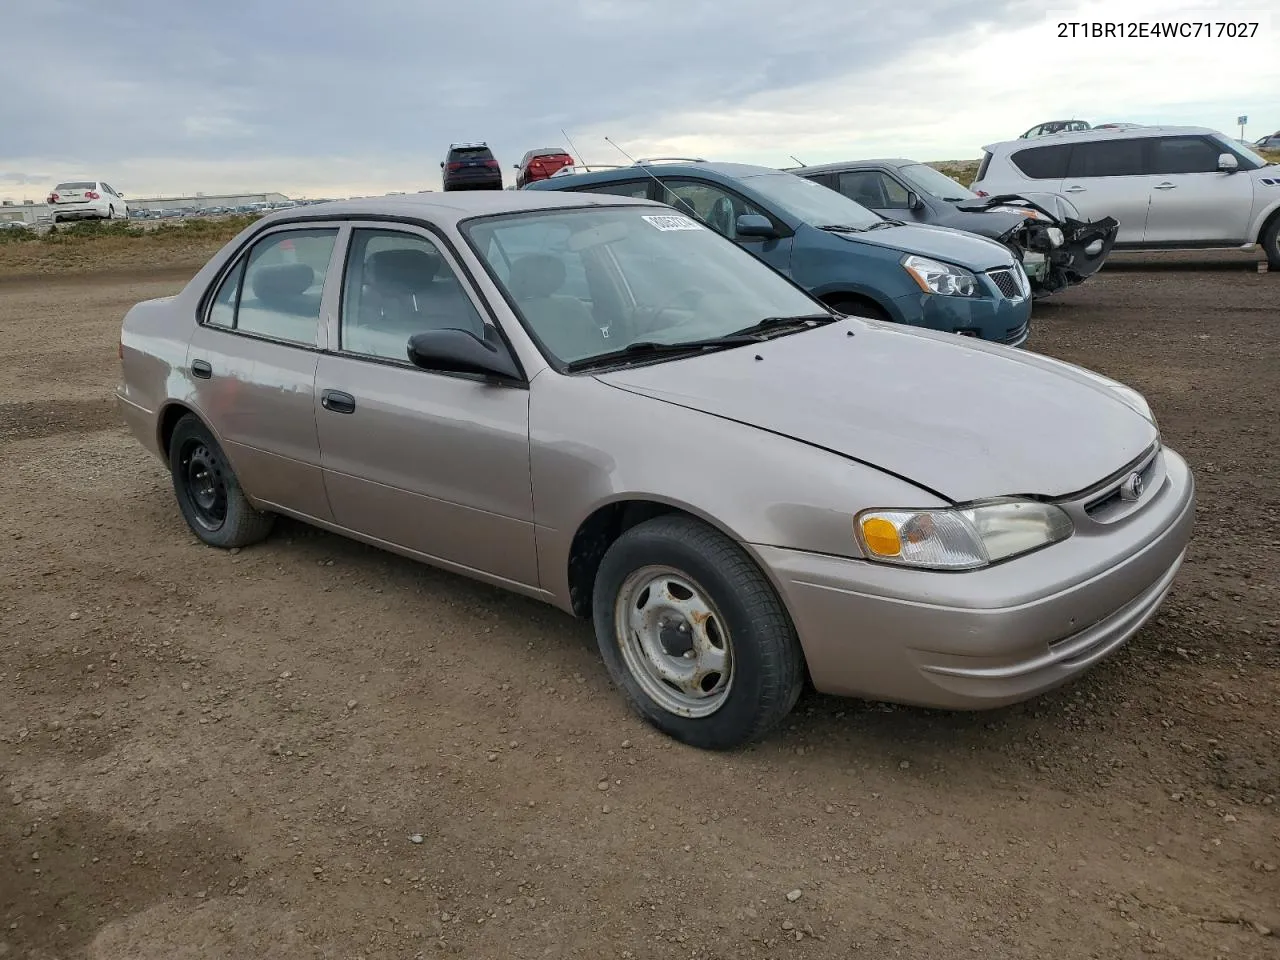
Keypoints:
pixel 1097 133
pixel 895 162
pixel 637 171
pixel 450 208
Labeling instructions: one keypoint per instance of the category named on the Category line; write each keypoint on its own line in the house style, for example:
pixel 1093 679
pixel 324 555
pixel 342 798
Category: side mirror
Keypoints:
pixel 441 164
pixel 913 201
pixel 460 351
pixel 755 225
pixel 1227 163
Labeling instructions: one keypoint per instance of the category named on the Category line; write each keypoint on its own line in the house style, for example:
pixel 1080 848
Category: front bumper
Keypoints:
pixel 998 319
pixel 992 637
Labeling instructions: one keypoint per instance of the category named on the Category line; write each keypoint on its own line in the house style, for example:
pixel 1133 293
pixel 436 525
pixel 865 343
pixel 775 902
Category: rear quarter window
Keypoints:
pixel 1043 163
pixel 982 167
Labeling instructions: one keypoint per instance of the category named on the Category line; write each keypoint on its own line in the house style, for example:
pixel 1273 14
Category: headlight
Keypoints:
pixel 940 278
pixel 960 538
pixel 1055 235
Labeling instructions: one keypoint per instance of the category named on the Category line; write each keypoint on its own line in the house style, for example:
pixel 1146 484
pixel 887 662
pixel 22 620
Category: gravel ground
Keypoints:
pixel 314 749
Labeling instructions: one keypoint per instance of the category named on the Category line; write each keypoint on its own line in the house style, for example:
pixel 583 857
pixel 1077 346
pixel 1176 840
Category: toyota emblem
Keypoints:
pixel 1131 489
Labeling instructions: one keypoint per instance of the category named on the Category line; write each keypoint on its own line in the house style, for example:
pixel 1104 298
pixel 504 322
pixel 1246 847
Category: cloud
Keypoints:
pixel 332 98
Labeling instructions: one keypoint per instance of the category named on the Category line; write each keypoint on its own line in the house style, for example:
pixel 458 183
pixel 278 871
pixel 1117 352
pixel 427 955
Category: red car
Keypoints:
pixel 540 164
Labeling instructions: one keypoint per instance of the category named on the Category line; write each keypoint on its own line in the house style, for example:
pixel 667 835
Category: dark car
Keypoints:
pixel 1057 248
pixel 471 166
pixel 540 164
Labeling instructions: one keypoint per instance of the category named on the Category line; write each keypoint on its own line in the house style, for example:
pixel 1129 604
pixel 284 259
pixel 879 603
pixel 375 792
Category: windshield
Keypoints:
pixel 592 281
pixel 935 183
pixel 811 202
pixel 1238 148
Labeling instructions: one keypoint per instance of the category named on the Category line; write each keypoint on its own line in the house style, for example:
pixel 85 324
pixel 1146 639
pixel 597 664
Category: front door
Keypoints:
pixel 1109 178
pixel 720 208
pixel 1192 201
pixel 252 362
pixel 433 463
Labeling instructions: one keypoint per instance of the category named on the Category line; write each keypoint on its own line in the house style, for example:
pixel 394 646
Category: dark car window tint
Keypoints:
pixel 1184 155
pixel 470 153
pixel 716 207
pixel 639 191
pixel 1107 158
pixel 873 189
pixel 398 285
pixel 1043 163
pixel 283 283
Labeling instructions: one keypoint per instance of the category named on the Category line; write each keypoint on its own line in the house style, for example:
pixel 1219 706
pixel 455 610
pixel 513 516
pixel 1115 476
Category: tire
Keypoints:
pixel 697 566
pixel 1271 243
pixel 208 493
pixel 111 213
pixel 859 308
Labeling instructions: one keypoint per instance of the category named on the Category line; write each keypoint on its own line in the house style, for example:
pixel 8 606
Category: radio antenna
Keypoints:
pixel 574 149
pixel 680 203
pixel 796 159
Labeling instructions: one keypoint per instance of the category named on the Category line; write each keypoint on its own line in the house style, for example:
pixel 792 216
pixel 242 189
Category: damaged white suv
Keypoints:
pixel 1170 188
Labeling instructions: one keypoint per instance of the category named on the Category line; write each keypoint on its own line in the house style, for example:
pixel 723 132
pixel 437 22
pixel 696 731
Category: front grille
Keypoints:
pixel 1108 501
pixel 1017 334
pixel 1006 282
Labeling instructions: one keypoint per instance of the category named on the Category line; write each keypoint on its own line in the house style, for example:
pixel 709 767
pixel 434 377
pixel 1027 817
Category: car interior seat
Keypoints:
pixel 563 323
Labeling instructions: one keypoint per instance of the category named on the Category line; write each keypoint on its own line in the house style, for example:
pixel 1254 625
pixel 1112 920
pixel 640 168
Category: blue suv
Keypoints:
pixel 851 258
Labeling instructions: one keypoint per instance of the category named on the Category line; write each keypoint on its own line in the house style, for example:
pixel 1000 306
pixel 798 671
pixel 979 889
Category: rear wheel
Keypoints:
pixel 208 493
pixel 111 213
pixel 694 634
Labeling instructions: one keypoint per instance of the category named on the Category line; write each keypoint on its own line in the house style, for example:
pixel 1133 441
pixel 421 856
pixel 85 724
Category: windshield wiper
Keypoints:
pixel 841 228
pixel 771 323
pixel 887 222
pixel 656 348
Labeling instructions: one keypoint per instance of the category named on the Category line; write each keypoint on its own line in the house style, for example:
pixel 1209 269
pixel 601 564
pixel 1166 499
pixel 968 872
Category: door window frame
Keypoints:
pixel 779 226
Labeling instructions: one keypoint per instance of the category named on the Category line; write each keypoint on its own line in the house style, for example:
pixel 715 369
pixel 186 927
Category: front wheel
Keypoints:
pixel 209 495
pixel 860 308
pixel 1271 244
pixel 694 634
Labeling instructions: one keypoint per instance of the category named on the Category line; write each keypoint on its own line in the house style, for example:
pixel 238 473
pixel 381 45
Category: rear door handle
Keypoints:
pixel 201 369
pixel 1074 190
pixel 1165 186
pixel 338 402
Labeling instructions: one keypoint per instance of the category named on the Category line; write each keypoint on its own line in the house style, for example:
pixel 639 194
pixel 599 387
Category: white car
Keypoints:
pixel 87 199
pixel 1169 187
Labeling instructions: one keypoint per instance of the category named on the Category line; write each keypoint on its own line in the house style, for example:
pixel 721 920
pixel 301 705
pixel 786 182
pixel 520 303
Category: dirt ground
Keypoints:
pixel 311 749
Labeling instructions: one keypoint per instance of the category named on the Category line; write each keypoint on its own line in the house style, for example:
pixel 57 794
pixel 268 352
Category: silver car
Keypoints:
pixel 598 402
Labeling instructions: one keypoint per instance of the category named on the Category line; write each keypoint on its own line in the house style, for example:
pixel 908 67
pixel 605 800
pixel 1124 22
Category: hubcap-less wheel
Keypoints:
pixel 674 641
pixel 206 487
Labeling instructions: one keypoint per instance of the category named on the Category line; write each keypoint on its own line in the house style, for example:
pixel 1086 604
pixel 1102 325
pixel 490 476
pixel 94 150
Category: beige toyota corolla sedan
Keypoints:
pixel 600 403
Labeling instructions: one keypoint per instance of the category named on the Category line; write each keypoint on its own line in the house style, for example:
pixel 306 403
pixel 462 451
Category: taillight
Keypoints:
pixel 53 198
pixel 455 166
pixel 90 195
pixel 491 163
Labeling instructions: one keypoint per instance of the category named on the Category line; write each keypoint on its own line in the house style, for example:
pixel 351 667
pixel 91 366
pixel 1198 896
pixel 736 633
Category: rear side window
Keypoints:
pixel 637 190
pixel 982 167
pixel 1043 163
pixel 1184 155
pixel 275 290
pixel 1108 158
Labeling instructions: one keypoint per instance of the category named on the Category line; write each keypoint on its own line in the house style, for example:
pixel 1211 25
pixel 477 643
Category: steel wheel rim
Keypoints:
pixel 674 641
pixel 204 485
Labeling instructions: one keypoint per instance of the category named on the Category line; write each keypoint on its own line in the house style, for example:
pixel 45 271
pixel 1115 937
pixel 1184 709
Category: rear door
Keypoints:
pixel 253 359
pixel 1192 201
pixel 1110 178
pixel 435 463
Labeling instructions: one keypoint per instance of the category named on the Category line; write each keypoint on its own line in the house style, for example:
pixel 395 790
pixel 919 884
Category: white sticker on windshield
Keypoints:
pixel 676 222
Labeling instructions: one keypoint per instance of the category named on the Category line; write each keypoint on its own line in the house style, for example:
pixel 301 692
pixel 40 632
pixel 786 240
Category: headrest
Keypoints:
pixel 279 284
pixel 408 269
pixel 536 275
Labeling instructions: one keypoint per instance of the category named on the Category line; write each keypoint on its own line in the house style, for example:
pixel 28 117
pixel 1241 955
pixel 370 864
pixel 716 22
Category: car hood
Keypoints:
pixel 942 243
pixel 963 419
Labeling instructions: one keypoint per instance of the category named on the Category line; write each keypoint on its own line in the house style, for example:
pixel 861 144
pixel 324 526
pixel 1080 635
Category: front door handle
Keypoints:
pixel 338 402
pixel 1165 186
pixel 1074 190
pixel 202 369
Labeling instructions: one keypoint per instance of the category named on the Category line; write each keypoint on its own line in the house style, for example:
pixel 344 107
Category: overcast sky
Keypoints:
pixel 343 97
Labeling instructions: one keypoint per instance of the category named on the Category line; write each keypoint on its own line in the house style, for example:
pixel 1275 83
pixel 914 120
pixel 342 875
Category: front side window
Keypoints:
pixel 714 205
pixel 398 285
pixel 276 290
pixel 874 189
pixel 810 202
pixel 1170 155
pixel 637 190
pixel 652 275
